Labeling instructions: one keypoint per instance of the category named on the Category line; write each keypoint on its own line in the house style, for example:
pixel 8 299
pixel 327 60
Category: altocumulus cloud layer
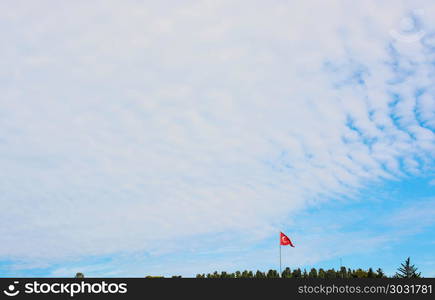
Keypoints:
pixel 128 125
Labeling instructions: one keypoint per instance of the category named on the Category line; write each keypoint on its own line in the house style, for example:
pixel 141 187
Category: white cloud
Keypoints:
pixel 125 126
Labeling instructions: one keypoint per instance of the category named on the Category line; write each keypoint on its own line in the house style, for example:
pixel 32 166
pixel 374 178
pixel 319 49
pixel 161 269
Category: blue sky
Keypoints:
pixel 139 138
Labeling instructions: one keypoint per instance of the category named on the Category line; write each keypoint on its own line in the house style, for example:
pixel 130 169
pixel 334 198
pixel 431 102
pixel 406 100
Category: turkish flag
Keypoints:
pixel 284 240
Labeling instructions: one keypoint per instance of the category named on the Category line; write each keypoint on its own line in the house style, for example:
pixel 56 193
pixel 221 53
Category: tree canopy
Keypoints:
pixel 406 270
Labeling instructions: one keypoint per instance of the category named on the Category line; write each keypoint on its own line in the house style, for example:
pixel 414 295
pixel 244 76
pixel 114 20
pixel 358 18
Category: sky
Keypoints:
pixel 174 138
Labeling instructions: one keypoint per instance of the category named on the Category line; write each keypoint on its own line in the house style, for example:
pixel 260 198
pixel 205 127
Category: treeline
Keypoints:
pixel 343 272
pixel 406 270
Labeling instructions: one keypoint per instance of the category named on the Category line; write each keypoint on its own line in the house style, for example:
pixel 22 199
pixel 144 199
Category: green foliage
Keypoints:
pixel 360 273
pixel 313 273
pixel 260 274
pixel 331 273
pixel 322 273
pixel 272 274
pixel 287 273
pixel 343 273
pixel 297 273
pixel 80 275
pixel 407 270
pixel 380 273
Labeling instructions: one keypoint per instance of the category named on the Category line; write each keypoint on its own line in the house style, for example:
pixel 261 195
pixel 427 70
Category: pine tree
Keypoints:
pixel 407 270
pixel 370 273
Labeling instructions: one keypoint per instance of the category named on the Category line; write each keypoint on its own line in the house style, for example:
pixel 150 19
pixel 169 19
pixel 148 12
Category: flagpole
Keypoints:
pixel 280 255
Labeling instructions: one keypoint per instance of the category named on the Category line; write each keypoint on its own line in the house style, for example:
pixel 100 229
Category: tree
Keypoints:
pixel 407 270
pixel 260 274
pixel 370 273
pixel 80 275
pixel 342 273
pixel 287 273
pixel 360 273
pixel 322 273
pixel 313 273
pixel 380 273
pixel 297 273
pixel 272 274
pixel 215 275
pixel 331 274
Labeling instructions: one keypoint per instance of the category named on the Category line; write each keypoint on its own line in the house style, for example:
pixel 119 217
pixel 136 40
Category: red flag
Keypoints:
pixel 284 240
